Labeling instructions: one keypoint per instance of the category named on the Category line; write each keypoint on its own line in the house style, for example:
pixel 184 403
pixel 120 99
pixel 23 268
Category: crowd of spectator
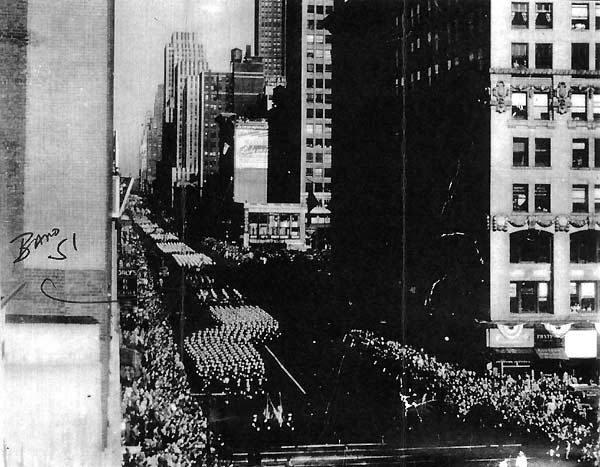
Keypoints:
pixel 545 406
pixel 162 423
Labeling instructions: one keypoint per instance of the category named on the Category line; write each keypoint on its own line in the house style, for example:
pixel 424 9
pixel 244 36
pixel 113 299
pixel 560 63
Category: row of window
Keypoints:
pixel 318 113
pixel 319 53
pixel 318 172
pixel 435 70
pixel 319 98
pixel 580 55
pixel 536 296
pixel 318 83
pixel 541 198
pixel 538 106
pixel 319 9
pixel 318 157
pixel 318 143
pixel 314 24
pixel 580 152
pixel 318 128
pixel 318 187
pixel 535 246
pixel 580 15
pixel 318 38
pixel 318 67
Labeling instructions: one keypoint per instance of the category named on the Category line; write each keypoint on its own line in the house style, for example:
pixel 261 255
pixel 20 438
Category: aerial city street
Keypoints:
pixel 368 235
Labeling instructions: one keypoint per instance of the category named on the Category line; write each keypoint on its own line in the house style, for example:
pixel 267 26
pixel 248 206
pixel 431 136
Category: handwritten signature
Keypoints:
pixel 29 242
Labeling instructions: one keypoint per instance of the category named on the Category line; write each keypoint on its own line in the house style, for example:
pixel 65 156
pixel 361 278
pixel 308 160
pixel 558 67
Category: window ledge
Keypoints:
pixel 513 123
pixel 544 71
pixel 589 124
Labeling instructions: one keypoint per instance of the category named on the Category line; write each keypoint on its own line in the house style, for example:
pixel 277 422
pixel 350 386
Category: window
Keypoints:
pixel 530 246
pixel 309 113
pixel 541 106
pixel 542 152
pixel 519 52
pixel 597 67
pixel 319 9
pixel 520 152
pixel 578 107
pixel 543 15
pixel 596 106
pixel 530 297
pixel 597 199
pixel 308 187
pixel 542 198
pixel 597 153
pixel 309 157
pixel 310 83
pixel 543 55
pixel 311 8
pixel 597 16
pixel 520 15
pixel 520 197
pixel 580 18
pixel 519 105
pixel 580 149
pixel 583 296
pixel 580 56
pixel 579 196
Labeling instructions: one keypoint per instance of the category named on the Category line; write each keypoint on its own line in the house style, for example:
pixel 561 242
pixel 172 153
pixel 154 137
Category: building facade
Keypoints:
pixel 215 100
pixel 59 381
pixel 269 36
pixel 545 184
pixel 247 84
pixel 183 57
pixel 308 78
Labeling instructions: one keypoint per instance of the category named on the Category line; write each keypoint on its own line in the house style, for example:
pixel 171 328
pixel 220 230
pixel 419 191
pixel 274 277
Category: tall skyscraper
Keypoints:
pixel 59 366
pixel 215 100
pixel 183 57
pixel 308 77
pixel 269 36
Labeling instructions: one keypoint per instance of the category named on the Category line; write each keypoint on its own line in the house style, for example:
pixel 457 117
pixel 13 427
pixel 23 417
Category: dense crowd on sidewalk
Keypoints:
pixel 160 417
pixel 544 406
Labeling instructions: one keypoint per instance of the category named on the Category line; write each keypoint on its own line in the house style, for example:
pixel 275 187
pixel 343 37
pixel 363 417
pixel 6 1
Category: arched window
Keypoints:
pixel 585 247
pixel 530 246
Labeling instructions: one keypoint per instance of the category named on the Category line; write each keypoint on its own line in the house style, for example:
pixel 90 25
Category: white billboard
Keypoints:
pixel 250 162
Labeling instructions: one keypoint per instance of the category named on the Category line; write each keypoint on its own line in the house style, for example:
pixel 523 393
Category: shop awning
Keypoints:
pixel 551 354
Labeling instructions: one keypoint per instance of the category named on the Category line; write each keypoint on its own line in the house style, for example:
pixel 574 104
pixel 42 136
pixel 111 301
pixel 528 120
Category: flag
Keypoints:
pixel 312 201
pixel 278 412
pixel 267 413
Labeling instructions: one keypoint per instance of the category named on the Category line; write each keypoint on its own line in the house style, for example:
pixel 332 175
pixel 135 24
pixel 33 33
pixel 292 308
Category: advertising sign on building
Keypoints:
pixel 581 343
pixel 250 162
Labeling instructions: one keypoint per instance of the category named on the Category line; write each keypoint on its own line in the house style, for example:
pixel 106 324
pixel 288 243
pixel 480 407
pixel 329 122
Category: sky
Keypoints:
pixel 142 28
